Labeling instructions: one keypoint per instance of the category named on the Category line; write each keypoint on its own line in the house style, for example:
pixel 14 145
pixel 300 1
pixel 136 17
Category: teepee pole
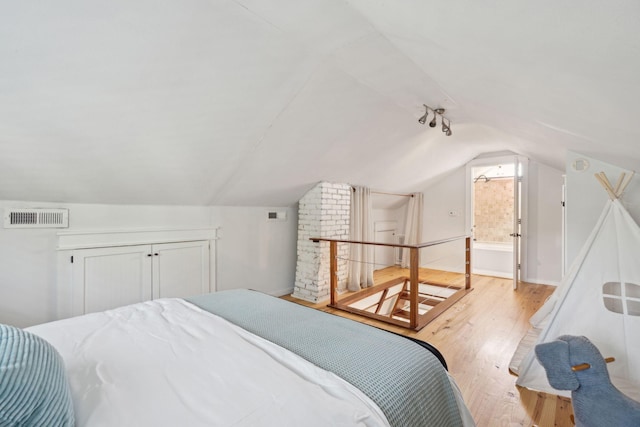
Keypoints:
pixel 602 179
pixel 624 183
pixel 619 184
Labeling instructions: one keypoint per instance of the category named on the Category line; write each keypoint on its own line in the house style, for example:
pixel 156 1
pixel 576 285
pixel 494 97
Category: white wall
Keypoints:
pixel 444 216
pixel 27 276
pixel 440 199
pixel 254 252
pixel 444 197
pixel 250 248
pixel 544 225
pixel 585 199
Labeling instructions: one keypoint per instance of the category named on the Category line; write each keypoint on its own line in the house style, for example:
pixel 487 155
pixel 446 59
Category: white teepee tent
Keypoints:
pixel 598 298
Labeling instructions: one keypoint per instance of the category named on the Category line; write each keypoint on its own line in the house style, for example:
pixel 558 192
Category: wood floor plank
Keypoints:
pixel 478 336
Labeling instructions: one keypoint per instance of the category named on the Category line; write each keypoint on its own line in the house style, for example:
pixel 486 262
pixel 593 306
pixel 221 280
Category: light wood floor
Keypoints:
pixel 478 337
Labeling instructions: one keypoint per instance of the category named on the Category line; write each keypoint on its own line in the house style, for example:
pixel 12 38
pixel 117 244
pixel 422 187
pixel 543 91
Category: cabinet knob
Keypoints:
pixel 149 255
pixel 156 254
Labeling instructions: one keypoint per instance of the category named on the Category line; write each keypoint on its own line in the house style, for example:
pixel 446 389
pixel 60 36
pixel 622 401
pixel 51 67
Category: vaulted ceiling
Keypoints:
pixel 251 102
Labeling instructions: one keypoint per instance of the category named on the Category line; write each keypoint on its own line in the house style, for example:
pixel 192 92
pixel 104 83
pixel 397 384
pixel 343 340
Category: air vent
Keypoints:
pixel 36 218
pixel 276 215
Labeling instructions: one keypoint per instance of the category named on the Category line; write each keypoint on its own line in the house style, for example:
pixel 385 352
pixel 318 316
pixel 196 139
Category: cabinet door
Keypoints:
pixel 180 269
pixel 106 278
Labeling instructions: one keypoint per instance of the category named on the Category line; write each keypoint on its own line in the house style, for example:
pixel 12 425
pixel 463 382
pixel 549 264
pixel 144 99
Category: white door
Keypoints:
pixel 517 219
pixel 106 278
pixel 180 269
pixel 385 232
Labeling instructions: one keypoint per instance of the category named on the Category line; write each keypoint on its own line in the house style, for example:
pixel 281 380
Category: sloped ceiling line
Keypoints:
pixel 257 15
pixel 240 166
pixel 444 99
pixel 411 109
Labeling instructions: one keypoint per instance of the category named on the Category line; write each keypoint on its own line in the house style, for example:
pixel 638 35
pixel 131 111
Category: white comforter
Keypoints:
pixel 169 363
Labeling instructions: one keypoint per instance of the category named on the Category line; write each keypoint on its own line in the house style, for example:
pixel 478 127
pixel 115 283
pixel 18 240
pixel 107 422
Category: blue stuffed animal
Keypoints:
pixel 574 363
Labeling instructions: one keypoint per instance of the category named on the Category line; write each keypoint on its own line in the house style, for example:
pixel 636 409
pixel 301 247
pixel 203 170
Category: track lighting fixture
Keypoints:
pixel 446 127
pixel 422 120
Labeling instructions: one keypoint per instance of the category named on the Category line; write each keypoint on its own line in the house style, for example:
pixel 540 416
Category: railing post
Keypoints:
pixel 414 263
pixel 333 268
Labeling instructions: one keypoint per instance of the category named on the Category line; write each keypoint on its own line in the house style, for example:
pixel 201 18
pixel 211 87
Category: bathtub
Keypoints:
pixel 492 259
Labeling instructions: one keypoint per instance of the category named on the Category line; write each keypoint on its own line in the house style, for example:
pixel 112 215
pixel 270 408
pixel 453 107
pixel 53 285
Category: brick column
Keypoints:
pixel 322 212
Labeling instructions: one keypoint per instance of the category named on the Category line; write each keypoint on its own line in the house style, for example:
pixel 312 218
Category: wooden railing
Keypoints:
pixel 416 322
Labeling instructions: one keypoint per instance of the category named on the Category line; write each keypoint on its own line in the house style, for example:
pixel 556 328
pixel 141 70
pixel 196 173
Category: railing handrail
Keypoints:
pixel 395 245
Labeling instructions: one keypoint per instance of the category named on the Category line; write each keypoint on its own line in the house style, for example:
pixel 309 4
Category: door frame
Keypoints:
pixel 522 240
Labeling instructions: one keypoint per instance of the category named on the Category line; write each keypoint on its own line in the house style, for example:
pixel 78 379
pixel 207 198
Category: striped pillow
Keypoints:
pixel 33 385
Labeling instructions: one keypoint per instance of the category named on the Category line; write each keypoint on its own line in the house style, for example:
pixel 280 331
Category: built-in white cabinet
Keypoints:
pixel 180 269
pixel 105 278
pixel 111 277
pixel 115 275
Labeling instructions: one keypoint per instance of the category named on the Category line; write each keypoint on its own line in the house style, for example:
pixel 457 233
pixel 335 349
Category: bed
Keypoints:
pixel 231 358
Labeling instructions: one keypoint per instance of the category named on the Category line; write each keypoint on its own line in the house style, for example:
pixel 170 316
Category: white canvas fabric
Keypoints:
pixel 360 229
pixel 413 225
pixel 610 255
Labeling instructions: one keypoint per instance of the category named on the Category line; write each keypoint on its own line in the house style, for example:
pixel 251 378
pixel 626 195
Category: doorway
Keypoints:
pixel 389 216
pixel 495 215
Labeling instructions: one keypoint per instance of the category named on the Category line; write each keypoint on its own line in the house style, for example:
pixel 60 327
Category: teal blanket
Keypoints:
pixel 406 381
